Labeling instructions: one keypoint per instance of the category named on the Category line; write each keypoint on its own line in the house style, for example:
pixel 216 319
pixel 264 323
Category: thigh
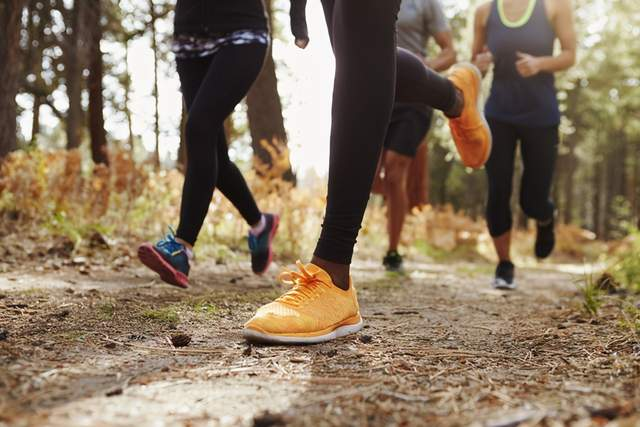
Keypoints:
pixel 500 165
pixel 328 7
pixel 192 72
pixel 231 72
pixel 407 130
pixel 351 21
pixel 539 147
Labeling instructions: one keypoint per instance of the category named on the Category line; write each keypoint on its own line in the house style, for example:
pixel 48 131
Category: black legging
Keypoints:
pixel 212 87
pixel 362 34
pixel 539 149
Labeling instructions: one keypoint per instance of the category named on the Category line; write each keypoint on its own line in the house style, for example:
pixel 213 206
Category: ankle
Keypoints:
pixel 258 228
pixel 458 104
pixel 339 273
pixel 187 246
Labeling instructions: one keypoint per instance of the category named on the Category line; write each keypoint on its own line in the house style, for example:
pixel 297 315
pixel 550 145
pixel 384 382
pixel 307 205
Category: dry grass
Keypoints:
pixel 44 194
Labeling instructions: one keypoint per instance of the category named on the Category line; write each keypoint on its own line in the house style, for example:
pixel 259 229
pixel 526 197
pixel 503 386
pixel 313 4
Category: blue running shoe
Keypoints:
pixel 168 258
pixel 260 245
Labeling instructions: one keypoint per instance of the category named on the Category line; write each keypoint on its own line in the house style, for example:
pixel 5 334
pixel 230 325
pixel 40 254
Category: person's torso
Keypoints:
pixel 415 23
pixel 528 101
pixel 218 16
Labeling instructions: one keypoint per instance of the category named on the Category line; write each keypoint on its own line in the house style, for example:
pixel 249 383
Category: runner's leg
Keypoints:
pixel 210 98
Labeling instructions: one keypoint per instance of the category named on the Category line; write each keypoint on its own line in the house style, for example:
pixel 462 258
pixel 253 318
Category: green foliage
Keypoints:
pixel 592 295
pixel 631 317
pixel 627 265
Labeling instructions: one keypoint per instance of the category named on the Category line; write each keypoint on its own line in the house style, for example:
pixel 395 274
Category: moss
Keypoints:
pixel 165 315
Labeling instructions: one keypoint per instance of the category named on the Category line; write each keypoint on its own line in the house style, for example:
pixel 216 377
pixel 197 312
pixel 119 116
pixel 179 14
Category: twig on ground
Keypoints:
pixel 167 350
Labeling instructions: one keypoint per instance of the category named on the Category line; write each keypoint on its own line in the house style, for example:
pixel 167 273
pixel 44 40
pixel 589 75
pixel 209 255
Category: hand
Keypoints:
pixel 484 61
pixel 527 65
pixel 302 43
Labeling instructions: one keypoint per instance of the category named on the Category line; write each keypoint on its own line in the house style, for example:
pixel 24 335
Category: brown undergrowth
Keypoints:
pixel 52 203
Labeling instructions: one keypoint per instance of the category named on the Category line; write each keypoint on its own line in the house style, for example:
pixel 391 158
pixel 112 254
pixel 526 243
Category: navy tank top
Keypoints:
pixel 514 99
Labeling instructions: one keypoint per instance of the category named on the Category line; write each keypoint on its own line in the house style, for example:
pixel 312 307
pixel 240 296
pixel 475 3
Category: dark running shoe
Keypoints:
pixel 168 258
pixel 504 278
pixel 393 262
pixel 545 239
pixel 260 245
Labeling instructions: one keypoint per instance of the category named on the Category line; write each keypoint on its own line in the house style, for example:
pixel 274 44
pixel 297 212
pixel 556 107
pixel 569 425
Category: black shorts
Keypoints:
pixel 409 125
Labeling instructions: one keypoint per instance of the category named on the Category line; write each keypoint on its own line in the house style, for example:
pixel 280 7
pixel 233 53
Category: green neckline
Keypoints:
pixel 520 22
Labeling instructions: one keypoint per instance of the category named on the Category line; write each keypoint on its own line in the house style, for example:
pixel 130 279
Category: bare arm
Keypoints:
pixel 447 56
pixel 563 24
pixel 480 55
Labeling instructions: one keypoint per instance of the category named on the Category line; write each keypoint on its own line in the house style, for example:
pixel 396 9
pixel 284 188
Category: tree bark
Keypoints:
pixel 266 123
pixel 10 19
pixel 568 187
pixel 73 76
pixel 127 96
pixel 96 101
pixel 156 93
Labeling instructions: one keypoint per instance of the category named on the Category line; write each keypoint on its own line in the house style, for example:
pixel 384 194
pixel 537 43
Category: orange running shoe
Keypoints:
pixel 470 131
pixel 313 311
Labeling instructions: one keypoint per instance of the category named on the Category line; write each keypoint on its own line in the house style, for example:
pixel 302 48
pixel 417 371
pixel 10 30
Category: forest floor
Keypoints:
pixel 89 345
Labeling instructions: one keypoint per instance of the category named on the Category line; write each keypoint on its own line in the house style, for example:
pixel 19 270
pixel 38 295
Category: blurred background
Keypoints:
pixel 91 118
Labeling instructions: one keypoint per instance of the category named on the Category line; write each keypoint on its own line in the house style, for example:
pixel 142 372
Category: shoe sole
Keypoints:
pixel 260 337
pixel 150 257
pixel 501 284
pixel 272 235
pixel 480 110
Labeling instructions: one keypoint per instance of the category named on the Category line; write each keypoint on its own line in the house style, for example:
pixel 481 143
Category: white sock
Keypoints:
pixel 187 250
pixel 260 227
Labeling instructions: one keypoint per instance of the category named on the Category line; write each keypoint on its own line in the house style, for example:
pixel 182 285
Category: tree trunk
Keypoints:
pixel 74 77
pixel 10 18
pixel 156 93
pixel 96 101
pixel 127 96
pixel 568 188
pixel 35 123
pixel 266 123
pixel 634 186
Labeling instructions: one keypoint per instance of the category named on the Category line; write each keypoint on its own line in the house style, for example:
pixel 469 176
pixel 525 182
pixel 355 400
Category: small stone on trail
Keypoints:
pixel 61 314
pixel 247 351
pixel 63 248
pixel 97 240
pixel 366 339
pixel 180 340
pixel 137 337
pixel 110 345
pixel 268 420
pixel 114 392
pixel 3 335
pixel 79 260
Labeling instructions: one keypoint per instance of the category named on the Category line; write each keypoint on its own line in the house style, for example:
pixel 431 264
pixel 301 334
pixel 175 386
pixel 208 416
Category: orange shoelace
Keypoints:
pixel 304 284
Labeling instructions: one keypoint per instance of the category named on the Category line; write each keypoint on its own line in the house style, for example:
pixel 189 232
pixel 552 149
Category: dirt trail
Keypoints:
pixel 439 348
